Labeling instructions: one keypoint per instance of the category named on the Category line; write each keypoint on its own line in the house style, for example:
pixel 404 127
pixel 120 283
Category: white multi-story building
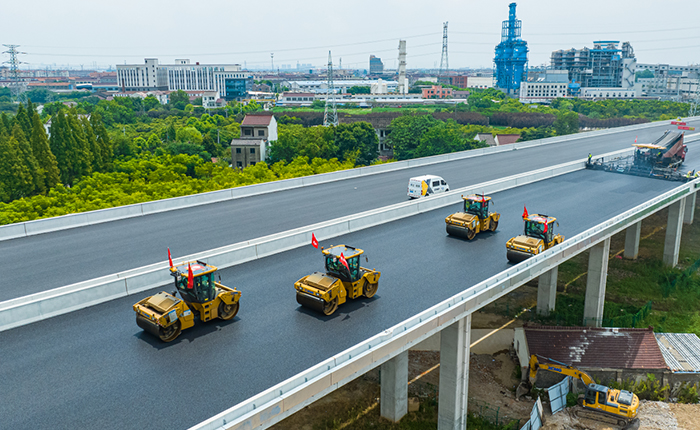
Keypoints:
pixel 341 86
pixel 229 80
pixel 545 87
pixel 607 93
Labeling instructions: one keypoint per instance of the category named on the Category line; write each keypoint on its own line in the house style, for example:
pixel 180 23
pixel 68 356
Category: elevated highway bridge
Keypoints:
pixel 95 368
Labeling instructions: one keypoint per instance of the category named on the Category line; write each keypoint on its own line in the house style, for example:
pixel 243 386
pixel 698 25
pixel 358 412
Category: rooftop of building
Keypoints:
pixel 591 347
pixel 258 119
pixel 680 350
pixel 507 139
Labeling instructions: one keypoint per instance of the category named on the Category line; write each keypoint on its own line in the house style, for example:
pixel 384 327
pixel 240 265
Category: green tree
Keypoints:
pixel 357 140
pixel 566 123
pixel 442 138
pixel 15 177
pixel 150 102
pixel 103 143
pixel 189 134
pixel 82 156
pixel 23 119
pixel 27 158
pixel 405 133
pixel 179 99
pixel 92 145
pixel 42 152
pixel 359 90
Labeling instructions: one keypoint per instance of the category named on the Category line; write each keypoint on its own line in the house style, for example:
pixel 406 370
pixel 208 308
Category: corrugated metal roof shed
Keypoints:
pixel 680 350
pixel 590 347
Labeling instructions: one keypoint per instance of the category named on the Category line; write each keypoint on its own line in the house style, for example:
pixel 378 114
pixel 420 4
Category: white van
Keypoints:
pixel 426 185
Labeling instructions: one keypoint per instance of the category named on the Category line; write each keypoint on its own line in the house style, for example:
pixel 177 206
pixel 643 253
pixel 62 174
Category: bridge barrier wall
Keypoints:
pixel 280 401
pixel 42 305
pixel 29 228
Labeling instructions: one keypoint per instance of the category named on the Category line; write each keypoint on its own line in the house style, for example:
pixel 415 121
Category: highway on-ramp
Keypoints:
pixel 96 369
pixel 42 262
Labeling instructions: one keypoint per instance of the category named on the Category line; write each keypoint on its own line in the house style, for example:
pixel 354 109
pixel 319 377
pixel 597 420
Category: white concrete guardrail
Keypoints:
pixel 29 228
pixel 287 397
pixel 39 306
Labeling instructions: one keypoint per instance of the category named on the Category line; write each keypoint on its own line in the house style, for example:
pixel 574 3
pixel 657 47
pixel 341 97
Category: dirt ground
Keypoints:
pixel 652 416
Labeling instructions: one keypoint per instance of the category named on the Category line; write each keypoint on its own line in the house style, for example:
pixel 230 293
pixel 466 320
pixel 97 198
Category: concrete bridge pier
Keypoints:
pixel 595 284
pixel 632 235
pixel 454 375
pixel 547 291
pixel 393 402
pixel 690 202
pixel 674 229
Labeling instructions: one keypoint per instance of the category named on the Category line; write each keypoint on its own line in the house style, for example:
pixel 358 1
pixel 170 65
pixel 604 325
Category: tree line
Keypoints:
pixel 31 163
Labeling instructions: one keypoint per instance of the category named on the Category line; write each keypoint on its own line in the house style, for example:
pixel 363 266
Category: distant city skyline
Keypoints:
pixel 102 33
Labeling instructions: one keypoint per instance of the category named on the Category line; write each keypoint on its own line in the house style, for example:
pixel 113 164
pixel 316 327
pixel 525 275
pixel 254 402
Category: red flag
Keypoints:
pixel 525 215
pixel 344 261
pixel 314 242
pixel 483 198
pixel 170 259
pixel 190 276
pixel 635 139
pixel 545 226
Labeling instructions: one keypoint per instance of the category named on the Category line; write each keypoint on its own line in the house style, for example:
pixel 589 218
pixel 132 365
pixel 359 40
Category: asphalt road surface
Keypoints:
pixel 97 369
pixel 51 260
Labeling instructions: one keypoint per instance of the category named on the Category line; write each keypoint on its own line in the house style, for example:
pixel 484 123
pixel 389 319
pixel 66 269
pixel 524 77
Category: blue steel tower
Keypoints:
pixel 511 55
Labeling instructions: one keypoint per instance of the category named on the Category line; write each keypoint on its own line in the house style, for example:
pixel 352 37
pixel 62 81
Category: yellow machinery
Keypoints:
pixel 539 236
pixel 475 218
pixel 165 316
pixel 325 291
pixel 603 403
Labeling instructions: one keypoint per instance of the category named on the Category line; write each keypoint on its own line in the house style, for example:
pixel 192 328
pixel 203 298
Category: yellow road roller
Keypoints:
pixel 475 218
pixel 165 316
pixel 344 279
pixel 538 237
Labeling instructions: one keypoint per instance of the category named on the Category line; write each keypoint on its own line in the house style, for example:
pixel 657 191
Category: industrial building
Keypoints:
pixel 668 82
pixel 341 86
pixel 376 67
pixel 604 66
pixel 228 80
pixel 511 55
pixel 544 87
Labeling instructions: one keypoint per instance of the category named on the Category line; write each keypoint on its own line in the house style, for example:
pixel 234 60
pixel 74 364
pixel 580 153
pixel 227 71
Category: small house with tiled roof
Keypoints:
pixel 617 354
pixel 258 131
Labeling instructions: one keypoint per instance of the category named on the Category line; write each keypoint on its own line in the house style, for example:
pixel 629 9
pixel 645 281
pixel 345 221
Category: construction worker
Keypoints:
pixel 589 158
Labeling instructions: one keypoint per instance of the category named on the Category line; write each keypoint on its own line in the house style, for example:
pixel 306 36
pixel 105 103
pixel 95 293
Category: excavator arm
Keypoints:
pixel 560 368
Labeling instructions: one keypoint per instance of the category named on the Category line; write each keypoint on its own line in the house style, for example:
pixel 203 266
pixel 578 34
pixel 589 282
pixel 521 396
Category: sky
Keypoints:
pixel 101 33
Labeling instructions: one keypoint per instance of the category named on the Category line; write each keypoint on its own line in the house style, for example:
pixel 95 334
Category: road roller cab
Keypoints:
pixel 538 237
pixel 474 219
pixel 165 316
pixel 324 292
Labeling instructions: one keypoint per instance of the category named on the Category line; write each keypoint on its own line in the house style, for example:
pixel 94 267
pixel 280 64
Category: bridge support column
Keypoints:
pixel 632 235
pixel 674 228
pixel 454 375
pixel 595 284
pixel 394 388
pixel 690 208
pixel 547 291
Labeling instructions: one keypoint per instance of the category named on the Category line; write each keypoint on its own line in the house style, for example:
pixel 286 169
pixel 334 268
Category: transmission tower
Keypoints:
pixel 443 60
pixel 17 87
pixel 330 116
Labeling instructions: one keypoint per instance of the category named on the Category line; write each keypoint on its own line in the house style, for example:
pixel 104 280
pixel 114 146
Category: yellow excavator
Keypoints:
pixel 538 237
pixel 165 316
pixel 344 279
pixel 475 218
pixel 599 402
